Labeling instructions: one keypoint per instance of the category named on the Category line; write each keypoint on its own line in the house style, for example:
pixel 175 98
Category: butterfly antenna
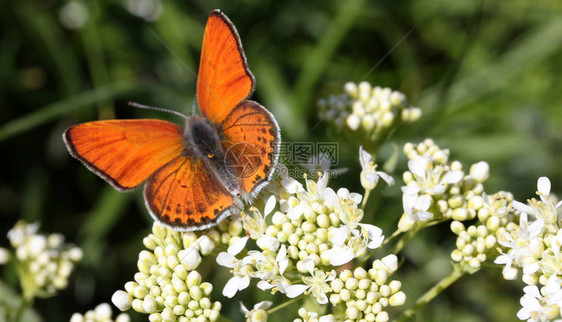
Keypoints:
pixel 194 108
pixel 158 109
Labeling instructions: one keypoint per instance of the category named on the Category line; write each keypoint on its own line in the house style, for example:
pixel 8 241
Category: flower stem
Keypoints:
pixel 432 293
pixel 406 238
pixel 282 305
pixel 367 192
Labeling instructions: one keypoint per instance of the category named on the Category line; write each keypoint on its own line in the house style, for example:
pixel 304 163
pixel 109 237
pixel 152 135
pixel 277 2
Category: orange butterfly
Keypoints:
pixel 198 175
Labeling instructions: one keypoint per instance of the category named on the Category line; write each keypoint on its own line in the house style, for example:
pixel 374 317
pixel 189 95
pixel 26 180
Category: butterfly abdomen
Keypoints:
pixel 202 136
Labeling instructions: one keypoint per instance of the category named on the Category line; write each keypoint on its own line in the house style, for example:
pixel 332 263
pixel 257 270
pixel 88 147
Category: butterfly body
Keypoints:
pixel 196 176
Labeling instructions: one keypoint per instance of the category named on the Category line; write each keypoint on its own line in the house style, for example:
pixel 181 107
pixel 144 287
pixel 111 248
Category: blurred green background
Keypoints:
pixel 487 75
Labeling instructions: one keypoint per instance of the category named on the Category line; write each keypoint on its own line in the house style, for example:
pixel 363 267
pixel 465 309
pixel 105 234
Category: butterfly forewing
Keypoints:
pixel 251 141
pixel 186 196
pixel 124 152
pixel 224 78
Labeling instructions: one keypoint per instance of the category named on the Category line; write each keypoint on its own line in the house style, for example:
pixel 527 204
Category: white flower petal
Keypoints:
pixel 410 190
pixel 282 259
pixel 536 227
pixel 231 287
pixel 375 235
pixel 243 308
pixel 531 268
pixel 291 185
pixel 322 184
pixel 438 189
pixel 238 245
pixel 268 242
pixel 244 282
pixel 323 299
pixel 308 264
pixel 339 235
pixel 543 186
pixel 453 176
pixel 225 259
pixel 531 290
pixel 263 305
pixel 296 212
pixel 386 177
pixel 521 207
pixel 269 205
pixel 503 259
pixel 418 166
pixel 423 202
pixel 340 256
pixel 331 199
pixel 552 284
pixel 424 215
pixel 372 177
pixel 364 158
pixel 293 291
pixel 524 314
pixel 264 285
pixel 355 197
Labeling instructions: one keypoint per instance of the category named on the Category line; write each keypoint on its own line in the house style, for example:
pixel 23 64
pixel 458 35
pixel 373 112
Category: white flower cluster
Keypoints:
pixel 316 227
pixel 167 286
pixel 102 313
pixel 479 241
pixel 314 230
pixel 367 294
pixel 438 189
pixel 535 247
pixel 45 262
pixel 372 110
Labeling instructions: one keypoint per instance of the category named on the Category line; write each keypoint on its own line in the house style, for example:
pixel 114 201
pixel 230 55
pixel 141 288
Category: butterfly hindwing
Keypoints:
pixel 224 77
pixel 185 195
pixel 251 140
pixel 124 152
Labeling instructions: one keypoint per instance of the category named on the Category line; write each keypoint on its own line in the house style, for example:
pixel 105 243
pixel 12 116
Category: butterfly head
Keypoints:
pixel 202 141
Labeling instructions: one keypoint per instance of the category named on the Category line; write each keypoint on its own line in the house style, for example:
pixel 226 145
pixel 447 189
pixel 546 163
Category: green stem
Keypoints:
pixel 367 192
pixel 406 238
pixel 432 293
pixel 282 305
pixel 25 303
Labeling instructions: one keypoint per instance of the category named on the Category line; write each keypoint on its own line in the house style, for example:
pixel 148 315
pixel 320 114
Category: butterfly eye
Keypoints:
pixel 210 155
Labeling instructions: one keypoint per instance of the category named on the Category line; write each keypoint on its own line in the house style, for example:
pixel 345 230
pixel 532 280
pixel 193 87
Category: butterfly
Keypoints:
pixel 199 174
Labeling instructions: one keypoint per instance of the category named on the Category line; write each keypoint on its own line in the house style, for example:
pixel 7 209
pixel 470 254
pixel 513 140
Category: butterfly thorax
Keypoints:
pixel 202 140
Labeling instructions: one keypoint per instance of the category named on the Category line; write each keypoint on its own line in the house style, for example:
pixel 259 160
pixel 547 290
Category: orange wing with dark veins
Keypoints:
pixel 224 78
pixel 184 195
pixel 124 152
pixel 251 139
